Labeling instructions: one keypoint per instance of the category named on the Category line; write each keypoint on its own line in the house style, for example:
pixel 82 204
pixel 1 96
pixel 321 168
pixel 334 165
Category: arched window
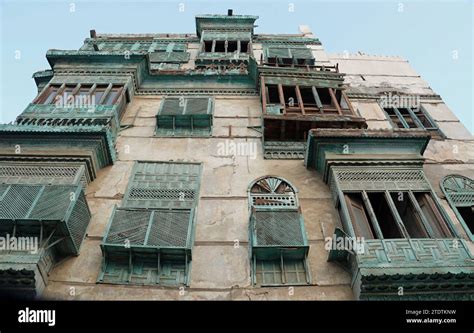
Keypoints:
pixel 271 191
pixel 278 243
pixel 459 191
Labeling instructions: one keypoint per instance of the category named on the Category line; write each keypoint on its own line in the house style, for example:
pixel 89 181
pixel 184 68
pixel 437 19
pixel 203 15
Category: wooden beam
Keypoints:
pixel 317 99
pixel 372 216
pixel 106 92
pixel 40 95
pixel 119 94
pixel 282 97
pixel 263 91
pixel 344 95
pixel 76 89
pixel 300 100
pixel 334 100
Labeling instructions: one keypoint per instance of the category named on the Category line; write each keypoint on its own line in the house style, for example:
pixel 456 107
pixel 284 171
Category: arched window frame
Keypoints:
pixel 278 246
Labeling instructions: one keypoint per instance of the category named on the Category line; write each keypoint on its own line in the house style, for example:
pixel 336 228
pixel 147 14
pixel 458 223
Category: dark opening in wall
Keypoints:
pixel 412 222
pixel 232 46
pixel 244 46
pixel 324 96
pixel 273 97
pixel 308 97
pixel 382 211
pixel 467 214
pixel 289 92
pixel 432 215
pixel 220 46
pixel 208 46
pixel 406 115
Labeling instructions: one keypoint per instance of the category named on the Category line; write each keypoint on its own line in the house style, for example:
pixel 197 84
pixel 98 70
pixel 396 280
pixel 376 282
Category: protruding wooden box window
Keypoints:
pixel 149 239
pixel 288 56
pixel 290 111
pixel 459 192
pixel 283 99
pixel 225 42
pixel 278 243
pixel 185 116
pixel 81 95
pixel 49 223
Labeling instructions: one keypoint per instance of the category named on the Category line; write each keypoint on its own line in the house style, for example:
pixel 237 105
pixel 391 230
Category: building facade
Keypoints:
pixel 232 165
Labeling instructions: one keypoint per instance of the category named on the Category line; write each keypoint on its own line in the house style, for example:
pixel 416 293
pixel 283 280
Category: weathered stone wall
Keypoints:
pixel 220 265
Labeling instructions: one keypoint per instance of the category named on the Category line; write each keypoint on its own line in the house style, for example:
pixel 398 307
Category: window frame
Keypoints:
pixel 300 108
pixel 412 113
pixel 183 115
pixel 275 195
pixel 423 221
pixel 76 88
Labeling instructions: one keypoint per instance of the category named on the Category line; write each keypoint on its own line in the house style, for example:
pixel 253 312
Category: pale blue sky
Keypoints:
pixel 427 33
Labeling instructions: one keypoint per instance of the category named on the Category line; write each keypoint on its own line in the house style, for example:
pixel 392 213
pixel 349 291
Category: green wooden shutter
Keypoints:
pixel 163 185
pixel 185 116
pixel 150 238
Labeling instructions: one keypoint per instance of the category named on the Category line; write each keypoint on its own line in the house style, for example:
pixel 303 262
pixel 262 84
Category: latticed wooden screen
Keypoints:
pixel 61 208
pixel 295 54
pixel 161 228
pixel 163 185
pixel 185 116
pixel 278 228
pixel 278 243
pixel 44 173
pixel 353 178
pixel 150 237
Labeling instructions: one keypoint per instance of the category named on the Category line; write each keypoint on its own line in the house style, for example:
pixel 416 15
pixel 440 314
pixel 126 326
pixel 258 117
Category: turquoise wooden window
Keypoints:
pixel 278 243
pixel 288 55
pixel 379 203
pixel 57 214
pixel 185 116
pixel 149 239
pixel 459 192
pixel 163 185
pixel 49 223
